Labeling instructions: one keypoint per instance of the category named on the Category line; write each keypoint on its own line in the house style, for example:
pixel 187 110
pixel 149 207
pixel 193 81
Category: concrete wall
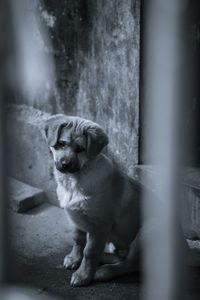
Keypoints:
pixel 28 155
pixel 95 45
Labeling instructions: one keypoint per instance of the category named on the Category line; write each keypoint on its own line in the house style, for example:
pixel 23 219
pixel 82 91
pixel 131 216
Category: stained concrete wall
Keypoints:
pixel 95 45
pixel 28 155
pixel 108 86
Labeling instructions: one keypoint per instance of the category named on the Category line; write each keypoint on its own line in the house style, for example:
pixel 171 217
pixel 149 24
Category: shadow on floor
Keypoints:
pixel 39 242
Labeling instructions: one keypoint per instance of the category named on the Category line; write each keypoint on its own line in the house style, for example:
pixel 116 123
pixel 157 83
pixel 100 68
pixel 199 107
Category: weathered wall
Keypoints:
pixel 29 158
pixel 96 52
pixel 108 85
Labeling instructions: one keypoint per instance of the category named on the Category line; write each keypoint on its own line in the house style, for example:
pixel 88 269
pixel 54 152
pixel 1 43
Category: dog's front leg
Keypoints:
pixel 92 253
pixel 73 259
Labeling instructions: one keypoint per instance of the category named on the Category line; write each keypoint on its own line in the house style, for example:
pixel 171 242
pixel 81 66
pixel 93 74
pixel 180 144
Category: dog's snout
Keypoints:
pixel 65 163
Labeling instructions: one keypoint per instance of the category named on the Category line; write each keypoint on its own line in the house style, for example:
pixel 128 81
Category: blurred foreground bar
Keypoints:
pixel 4 52
pixel 163 57
pixel 149 175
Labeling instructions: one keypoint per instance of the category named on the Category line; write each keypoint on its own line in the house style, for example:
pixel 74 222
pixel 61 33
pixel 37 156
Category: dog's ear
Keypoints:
pixel 96 139
pixel 53 127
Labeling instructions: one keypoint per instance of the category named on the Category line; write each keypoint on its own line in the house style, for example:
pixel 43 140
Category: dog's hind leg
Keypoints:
pixel 148 236
pixel 73 260
pixel 110 271
pixel 120 268
pixel 128 265
pixel 110 258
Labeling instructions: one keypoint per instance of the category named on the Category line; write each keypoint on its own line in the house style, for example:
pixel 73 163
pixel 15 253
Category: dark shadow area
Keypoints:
pixel 39 242
pixel 45 275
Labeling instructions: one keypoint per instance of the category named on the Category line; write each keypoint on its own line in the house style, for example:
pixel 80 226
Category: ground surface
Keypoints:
pixel 39 241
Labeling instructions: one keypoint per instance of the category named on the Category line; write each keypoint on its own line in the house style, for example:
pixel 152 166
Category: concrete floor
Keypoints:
pixel 39 241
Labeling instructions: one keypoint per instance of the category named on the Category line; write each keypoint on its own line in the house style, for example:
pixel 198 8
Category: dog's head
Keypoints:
pixel 73 141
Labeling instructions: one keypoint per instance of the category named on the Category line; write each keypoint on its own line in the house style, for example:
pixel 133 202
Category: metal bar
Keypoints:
pixel 163 54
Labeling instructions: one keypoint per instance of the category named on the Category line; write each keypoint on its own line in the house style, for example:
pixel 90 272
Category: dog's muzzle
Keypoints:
pixel 63 166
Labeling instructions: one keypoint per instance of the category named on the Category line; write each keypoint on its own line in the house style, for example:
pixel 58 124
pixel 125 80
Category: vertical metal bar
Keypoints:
pixel 1 195
pixel 4 36
pixel 163 55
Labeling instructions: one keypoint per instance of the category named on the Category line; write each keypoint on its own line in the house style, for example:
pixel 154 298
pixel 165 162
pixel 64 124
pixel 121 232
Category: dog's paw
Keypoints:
pixel 80 279
pixel 71 263
pixel 104 273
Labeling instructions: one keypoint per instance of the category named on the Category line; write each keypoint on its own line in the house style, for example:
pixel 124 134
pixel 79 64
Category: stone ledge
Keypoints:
pixel 150 175
pixel 190 195
pixel 27 151
pixel 23 197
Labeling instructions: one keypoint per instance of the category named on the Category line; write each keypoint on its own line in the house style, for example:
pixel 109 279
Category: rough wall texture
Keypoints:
pixel 29 158
pixel 96 53
pixel 108 85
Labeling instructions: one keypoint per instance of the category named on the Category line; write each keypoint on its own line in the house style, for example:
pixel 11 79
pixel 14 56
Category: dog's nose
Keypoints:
pixel 65 164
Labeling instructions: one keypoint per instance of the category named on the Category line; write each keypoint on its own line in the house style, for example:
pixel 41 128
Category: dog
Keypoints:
pixel 101 200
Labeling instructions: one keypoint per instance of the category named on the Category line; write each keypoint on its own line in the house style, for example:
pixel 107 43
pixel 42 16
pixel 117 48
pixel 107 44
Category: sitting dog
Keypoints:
pixel 101 200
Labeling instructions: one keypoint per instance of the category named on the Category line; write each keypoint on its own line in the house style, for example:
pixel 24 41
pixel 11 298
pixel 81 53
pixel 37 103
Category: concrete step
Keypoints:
pixel 189 193
pixel 22 196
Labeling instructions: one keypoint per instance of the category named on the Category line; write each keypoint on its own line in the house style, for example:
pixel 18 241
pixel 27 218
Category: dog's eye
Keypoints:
pixel 79 148
pixel 60 144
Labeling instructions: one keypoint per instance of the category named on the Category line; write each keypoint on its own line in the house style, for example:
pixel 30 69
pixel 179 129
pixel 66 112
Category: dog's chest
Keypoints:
pixel 81 207
pixel 70 195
